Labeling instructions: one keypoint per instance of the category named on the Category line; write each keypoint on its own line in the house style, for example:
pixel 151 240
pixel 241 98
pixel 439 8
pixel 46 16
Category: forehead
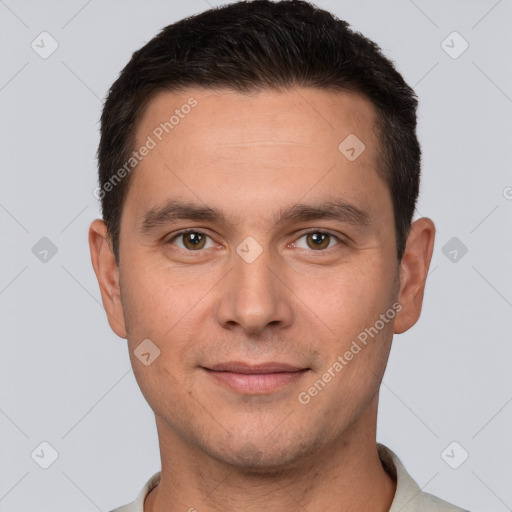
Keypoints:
pixel 325 117
pixel 216 145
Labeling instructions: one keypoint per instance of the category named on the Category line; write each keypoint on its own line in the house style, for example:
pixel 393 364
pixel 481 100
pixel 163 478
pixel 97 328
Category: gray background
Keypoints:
pixel 65 378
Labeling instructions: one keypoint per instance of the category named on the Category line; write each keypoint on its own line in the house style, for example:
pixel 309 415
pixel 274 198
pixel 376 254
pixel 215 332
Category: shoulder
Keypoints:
pixel 408 496
pixel 425 502
pixel 138 504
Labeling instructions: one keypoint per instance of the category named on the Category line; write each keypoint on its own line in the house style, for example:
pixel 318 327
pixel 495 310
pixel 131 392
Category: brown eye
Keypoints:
pixel 317 241
pixel 190 240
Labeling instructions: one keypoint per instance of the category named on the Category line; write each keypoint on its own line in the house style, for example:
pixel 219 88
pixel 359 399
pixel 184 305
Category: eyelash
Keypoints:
pixel 191 230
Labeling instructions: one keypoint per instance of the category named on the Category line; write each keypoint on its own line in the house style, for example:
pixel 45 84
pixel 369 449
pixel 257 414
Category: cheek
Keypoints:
pixel 348 298
pixel 166 389
pixel 356 350
pixel 168 310
pixel 159 310
pixel 153 301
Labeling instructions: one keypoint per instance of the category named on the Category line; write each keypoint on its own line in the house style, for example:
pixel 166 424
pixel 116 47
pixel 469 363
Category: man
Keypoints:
pixel 259 170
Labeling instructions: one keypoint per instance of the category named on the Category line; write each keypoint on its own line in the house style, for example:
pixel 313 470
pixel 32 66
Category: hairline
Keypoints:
pixel 382 165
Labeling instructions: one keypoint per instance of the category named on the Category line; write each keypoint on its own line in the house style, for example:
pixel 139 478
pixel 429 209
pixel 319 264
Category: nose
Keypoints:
pixel 255 296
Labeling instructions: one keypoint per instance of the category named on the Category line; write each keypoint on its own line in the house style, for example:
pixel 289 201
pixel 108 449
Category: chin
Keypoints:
pixel 261 458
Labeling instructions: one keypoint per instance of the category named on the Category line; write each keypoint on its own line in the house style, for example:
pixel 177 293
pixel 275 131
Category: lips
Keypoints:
pixel 248 369
pixel 256 379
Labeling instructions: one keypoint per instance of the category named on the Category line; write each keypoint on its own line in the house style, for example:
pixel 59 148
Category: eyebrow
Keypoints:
pixel 175 210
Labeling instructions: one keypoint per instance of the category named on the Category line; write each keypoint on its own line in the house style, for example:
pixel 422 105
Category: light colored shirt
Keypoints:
pixel 408 496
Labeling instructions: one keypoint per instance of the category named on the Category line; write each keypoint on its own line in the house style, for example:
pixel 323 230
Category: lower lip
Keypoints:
pixel 259 383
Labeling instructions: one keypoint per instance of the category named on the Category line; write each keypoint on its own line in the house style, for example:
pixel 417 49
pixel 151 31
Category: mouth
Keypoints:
pixel 255 379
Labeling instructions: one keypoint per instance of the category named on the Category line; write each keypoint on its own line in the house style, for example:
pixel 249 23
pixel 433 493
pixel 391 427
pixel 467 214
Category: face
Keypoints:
pixel 259 259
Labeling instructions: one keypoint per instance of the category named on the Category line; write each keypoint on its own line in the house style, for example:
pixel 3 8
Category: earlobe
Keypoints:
pixel 413 273
pixel 107 273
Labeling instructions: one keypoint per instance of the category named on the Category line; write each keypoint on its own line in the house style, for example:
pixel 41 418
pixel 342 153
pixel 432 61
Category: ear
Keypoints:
pixel 107 273
pixel 413 273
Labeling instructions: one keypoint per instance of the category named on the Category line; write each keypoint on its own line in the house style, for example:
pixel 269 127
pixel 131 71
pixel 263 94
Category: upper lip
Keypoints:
pixel 245 368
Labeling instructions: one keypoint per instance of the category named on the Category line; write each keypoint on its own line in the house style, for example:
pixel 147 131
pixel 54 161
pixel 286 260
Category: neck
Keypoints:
pixel 346 475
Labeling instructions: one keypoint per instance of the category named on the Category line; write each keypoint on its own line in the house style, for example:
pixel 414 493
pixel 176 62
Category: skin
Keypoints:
pixel 250 156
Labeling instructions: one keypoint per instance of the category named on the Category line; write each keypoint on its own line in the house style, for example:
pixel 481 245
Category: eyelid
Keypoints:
pixel 339 239
pixel 170 241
